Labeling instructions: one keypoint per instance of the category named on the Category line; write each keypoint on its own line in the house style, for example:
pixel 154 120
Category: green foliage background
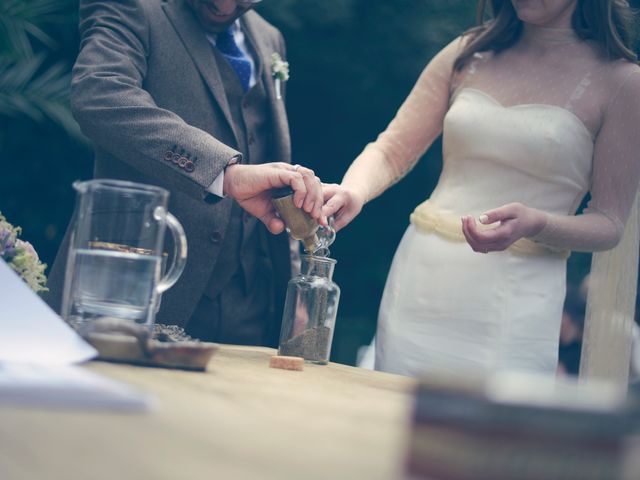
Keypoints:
pixel 352 64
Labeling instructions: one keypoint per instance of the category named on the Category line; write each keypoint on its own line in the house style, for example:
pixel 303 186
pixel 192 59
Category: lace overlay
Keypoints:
pixel 611 307
pixel 576 77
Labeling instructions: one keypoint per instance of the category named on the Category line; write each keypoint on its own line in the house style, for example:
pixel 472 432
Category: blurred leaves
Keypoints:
pixel 21 20
pixel 28 89
pixel 31 84
pixel 354 61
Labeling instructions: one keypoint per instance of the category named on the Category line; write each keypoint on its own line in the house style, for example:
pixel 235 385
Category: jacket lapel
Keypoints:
pixel 200 50
pixel 278 113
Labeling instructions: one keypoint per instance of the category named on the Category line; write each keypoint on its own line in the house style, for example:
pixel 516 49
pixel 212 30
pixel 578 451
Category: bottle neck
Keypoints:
pixel 318 266
pixel 311 243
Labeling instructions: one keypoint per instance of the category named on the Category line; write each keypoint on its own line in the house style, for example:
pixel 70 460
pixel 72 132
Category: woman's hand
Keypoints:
pixel 343 203
pixel 515 221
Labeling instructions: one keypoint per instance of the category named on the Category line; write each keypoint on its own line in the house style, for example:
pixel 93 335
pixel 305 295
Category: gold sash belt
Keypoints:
pixel 429 218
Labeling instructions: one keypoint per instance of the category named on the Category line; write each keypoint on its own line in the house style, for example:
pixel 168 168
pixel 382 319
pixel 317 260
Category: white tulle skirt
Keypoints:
pixel 447 308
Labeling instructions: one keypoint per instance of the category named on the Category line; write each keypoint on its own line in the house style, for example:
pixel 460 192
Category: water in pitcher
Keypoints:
pixel 114 283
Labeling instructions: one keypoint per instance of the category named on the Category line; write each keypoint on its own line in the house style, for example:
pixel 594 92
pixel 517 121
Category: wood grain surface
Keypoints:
pixel 240 419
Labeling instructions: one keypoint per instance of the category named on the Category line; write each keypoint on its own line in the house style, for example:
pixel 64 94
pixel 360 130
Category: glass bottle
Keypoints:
pixel 310 311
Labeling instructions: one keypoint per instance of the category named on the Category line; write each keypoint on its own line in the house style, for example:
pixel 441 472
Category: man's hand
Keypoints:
pixel 250 186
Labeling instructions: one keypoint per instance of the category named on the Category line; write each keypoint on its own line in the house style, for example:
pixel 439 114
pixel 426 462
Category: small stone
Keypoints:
pixel 286 363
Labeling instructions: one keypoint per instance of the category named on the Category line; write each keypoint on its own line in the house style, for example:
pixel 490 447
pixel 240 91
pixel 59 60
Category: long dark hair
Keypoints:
pixel 608 22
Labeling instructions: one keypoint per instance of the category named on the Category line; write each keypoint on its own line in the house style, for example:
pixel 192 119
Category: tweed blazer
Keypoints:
pixel 145 88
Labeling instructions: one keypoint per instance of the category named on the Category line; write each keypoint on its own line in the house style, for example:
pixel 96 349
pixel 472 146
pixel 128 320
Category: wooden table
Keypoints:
pixel 240 419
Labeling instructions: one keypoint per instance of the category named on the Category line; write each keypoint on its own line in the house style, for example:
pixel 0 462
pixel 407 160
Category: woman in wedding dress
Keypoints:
pixel 538 106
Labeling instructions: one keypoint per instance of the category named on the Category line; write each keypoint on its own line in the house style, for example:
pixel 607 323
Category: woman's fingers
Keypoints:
pixel 341 203
pixel 329 190
pixel 334 199
pixel 500 233
pixel 486 240
pixel 506 212
pixel 342 219
pixel 507 224
pixel 333 205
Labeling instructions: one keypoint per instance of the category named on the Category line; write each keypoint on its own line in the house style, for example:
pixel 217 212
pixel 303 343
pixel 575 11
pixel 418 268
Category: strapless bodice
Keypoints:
pixel 539 155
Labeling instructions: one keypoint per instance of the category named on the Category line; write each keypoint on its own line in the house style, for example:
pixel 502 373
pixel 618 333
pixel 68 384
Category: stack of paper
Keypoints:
pixel 38 351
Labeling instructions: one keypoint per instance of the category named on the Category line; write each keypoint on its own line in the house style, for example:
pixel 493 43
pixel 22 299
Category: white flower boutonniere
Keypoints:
pixel 279 72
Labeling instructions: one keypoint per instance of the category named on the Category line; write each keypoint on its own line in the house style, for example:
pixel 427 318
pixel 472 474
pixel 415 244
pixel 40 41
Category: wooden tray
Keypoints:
pixel 121 341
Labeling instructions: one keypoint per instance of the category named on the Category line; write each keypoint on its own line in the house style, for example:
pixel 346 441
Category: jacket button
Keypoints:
pixel 168 155
pixel 189 166
pixel 215 237
pixel 183 162
pixel 175 159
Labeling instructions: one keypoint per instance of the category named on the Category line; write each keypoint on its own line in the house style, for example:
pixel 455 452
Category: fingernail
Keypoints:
pixel 483 218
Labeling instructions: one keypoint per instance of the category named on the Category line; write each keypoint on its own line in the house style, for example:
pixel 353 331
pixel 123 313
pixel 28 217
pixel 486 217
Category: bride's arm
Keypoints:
pixel 616 170
pixel 614 184
pixel 396 150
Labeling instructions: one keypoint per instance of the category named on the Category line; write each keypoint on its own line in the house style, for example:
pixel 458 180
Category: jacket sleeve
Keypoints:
pixel 116 113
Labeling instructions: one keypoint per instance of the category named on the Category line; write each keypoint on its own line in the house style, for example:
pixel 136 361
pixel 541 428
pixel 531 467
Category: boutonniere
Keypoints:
pixel 279 72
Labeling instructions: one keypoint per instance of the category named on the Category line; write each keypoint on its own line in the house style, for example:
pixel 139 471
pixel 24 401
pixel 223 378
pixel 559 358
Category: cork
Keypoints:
pixel 286 363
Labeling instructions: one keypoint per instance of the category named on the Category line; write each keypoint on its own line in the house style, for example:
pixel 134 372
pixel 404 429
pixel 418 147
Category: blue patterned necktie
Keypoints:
pixel 227 45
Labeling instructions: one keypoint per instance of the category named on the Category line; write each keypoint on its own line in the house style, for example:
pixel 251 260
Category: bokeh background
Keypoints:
pixel 352 63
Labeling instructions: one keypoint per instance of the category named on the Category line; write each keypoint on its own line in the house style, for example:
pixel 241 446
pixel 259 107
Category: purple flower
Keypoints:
pixel 9 254
pixel 7 242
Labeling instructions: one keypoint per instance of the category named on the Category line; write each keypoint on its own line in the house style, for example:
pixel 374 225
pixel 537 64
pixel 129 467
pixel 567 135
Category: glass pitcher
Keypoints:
pixel 115 262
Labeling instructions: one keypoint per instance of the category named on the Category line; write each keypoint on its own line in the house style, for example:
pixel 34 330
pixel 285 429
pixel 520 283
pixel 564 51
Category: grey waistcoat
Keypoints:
pixel 252 121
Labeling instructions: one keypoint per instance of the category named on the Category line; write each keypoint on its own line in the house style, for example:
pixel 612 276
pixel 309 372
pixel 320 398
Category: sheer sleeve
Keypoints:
pixel 615 176
pixel 414 128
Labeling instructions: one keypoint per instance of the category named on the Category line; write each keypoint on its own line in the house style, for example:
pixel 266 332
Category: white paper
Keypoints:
pixel 37 353
pixel 66 387
pixel 30 332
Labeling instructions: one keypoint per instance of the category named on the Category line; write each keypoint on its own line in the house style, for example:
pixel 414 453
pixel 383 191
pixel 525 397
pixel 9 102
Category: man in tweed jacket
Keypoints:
pixel 163 105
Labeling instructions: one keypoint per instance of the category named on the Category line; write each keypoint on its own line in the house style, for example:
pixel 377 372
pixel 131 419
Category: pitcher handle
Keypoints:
pixel 179 249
